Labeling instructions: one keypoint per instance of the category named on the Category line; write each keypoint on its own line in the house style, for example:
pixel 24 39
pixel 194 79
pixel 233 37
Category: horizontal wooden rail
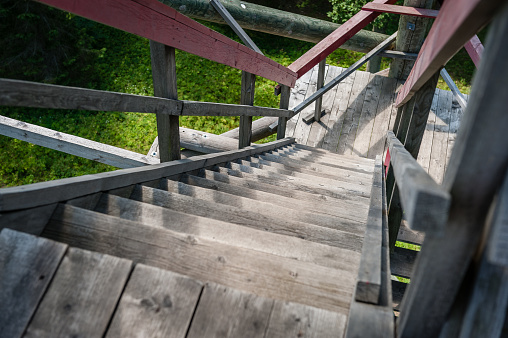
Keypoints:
pixel 424 202
pixel 73 145
pixel 50 192
pixel 404 10
pixel 344 74
pixel 395 54
pixel 39 95
pixel 456 23
pixel 333 41
pixel 161 23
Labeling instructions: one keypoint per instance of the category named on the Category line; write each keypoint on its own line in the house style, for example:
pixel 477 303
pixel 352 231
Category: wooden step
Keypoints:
pixel 319 151
pixel 288 208
pixel 402 261
pixel 198 201
pixel 252 271
pixel 227 233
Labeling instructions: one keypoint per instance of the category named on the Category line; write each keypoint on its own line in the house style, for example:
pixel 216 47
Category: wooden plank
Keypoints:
pixel 82 296
pixel 455 118
pixel 344 74
pixel 282 278
pixel 298 94
pixel 353 112
pixel 398 290
pixel 319 85
pixel 247 98
pixel 158 22
pixel 334 40
pixel 497 250
pixel 404 10
pixel 475 49
pixel 284 104
pixel 296 320
pixel 338 113
pixel 168 216
pixel 45 193
pixel 368 285
pixel 155 303
pixel 73 145
pixel 395 54
pixel 440 139
pixel 409 236
pixel 426 147
pixel 382 118
pixel 485 120
pixel 242 314
pixel 402 262
pixel 31 221
pixel 16 93
pixel 368 114
pixel 164 85
pixel 393 115
pixel 424 202
pixel 27 266
pixel 453 27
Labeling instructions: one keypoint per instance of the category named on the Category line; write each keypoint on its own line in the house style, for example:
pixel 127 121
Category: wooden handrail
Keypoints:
pixel 404 10
pixel 425 203
pixel 18 93
pixel 161 23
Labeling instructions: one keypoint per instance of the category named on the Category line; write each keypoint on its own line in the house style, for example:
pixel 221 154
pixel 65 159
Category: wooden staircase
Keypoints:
pixel 268 244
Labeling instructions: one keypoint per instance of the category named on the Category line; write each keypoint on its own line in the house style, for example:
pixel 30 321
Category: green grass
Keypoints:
pixel 124 66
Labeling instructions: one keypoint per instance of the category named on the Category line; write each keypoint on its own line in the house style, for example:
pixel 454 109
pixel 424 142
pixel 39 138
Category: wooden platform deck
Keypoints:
pixel 361 109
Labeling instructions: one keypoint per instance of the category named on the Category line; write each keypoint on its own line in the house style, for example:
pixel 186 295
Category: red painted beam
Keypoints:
pixel 474 48
pixel 404 10
pixel 336 39
pixel 156 21
pixel 457 21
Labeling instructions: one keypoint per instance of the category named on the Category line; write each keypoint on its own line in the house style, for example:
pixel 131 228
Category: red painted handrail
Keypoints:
pixel 159 22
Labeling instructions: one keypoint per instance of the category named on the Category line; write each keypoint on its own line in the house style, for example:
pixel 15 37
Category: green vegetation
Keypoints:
pixel 90 55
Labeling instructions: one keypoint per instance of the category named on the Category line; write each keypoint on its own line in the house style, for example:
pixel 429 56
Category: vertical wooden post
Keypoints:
pixel 164 85
pixel 320 83
pixel 374 64
pixel 247 98
pixel 410 37
pixel 285 93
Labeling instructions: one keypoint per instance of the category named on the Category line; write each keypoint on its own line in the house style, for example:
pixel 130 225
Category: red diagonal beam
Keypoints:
pixel 404 10
pixel 474 48
pixel 456 23
pixel 156 21
pixel 336 39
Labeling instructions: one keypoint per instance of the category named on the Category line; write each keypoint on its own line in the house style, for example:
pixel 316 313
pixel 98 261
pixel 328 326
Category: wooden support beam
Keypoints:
pixel 333 41
pixel 247 98
pixel 284 104
pixel 404 10
pixel 454 26
pixel 73 145
pixel 444 260
pixel 453 87
pixel 49 192
pixel 319 85
pixel 16 93
pixel 424 202
pixel 164 85
pixel 395 54
pixel 158 22
pixel 474 48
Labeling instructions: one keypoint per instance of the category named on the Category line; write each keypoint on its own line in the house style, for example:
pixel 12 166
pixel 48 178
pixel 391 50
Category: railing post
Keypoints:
pixel 320 83
pixel 247 98
pixel 285 93
pixel 164 85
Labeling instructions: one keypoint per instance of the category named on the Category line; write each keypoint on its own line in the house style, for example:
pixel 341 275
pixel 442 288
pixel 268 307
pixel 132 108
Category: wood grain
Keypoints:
pixel 27 266
pixel 404 10
pixel 155 303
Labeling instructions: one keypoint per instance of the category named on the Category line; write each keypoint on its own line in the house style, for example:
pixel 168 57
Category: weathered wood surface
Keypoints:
pixel 163 61
pixel 398 290
pixel 205 260
pixel 428 302
pixel 440 137
pixel 158 22
pixel 16 93
pixel 232 234
pixel 31 222
pixel 410 236
pixel 27 266
pixel 497 250
pixel 368 285
pixel 154 303
pixel 453 87
pixel 424 202
pixel 454 26
pixel 46 193
pixel 412 32
pixel 272 21
pixel 404 10
pixel 319 85
pixel 425 151
pixel 285 96
pixel 334 40
pixel 82 296
pixel 73 145
pixel 246 98
pixel 475 49
pixel 402 262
